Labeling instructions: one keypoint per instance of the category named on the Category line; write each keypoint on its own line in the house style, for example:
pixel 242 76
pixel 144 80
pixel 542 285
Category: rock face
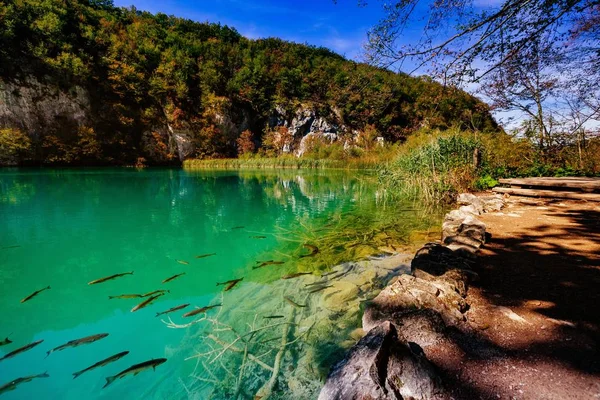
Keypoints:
pixel 36 107
pixel 41 108
pixel 413 313
pixel 380 367
pixel 305 124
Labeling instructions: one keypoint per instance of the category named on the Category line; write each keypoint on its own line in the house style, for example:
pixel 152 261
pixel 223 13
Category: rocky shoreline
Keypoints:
pixel 415 312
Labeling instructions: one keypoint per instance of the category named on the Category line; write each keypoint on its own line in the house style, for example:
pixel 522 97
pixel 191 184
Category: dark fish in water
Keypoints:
pixel 135 369
pixel 182 262
pixel 169 279
pixel 146 302
pixel 10 247
pixel 292 302
pixel 108 278
pixel 320 288
pixel 78 342
pixel 12 385
pixel 21 350
pixel 237 227
pixel 317 283
pixel 206 255
pixel 126 296
pixel 295 275
pixel 273 316
pixel 102 363
pixel 329 273
pixel 170 310
pixel 270 262
pixel 313 250
pixel 6 341
pixel 258 237
pixel 155 292
pixel 32 295
pixel 200 310
pixel 230 284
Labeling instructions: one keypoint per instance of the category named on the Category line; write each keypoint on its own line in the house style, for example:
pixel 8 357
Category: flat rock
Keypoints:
pixel 409 293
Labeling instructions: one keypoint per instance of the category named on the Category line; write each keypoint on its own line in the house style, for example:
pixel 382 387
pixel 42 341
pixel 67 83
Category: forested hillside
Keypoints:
pixel 84 82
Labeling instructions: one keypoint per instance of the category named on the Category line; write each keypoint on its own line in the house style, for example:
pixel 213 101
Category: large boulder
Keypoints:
pixel 381 367
pixel 409 293
pixel 437 259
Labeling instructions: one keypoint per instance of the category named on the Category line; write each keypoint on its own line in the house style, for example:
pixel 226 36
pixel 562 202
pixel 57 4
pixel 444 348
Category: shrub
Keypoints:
pixel 14 146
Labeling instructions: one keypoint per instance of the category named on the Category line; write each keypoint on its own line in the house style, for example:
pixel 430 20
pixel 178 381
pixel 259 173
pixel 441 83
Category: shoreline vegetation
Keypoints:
pixel 433 165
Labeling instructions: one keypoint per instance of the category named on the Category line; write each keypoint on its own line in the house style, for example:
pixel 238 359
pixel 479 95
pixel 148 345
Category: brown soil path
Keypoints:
pixel 535 312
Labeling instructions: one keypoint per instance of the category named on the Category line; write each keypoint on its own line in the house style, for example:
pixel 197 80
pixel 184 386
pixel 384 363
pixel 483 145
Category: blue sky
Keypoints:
pixel 341 27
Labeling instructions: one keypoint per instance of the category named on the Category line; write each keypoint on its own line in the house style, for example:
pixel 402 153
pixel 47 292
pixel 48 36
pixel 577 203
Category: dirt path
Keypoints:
pixel 535 311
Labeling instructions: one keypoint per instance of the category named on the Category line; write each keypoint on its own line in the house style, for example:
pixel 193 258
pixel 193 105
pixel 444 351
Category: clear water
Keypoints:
pixel 64 228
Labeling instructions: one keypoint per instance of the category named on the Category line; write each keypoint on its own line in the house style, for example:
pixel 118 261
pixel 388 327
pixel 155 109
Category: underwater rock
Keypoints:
pixel 381 367
pixel 340 295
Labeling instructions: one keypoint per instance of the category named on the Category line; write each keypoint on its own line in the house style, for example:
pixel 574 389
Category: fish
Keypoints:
pixel 6 341
pixel 32 295
pixel 270 262
pixel 108 278
pixel 146 302
pixel 126 296
pixel 170 310
pixel 292 302
pixel 12 385
pixel 206 255
pixel 313 250
pixel 318 289
pixel 237 227
pixel 295 275
pixel 182 262
pixel 317 283
pixel 21 350
pixel 229 282
pixel 136 369
pixel 78 342
pixel 258 237
pixel 10 247
pixel 102 363
pixel 273 316
pixel 232 284
pixel 329 273
pixel 155 292
pixel 169 279
pixel 200 310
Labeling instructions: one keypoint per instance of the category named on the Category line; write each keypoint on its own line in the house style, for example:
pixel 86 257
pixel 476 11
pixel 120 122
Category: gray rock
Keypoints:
pixel 463 228
pixel 409 293
pixel 492 203
pixel 468 199
pixel 380 367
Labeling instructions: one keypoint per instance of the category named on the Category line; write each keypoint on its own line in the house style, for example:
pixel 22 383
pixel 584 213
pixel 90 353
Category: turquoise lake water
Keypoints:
pixel 65 228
